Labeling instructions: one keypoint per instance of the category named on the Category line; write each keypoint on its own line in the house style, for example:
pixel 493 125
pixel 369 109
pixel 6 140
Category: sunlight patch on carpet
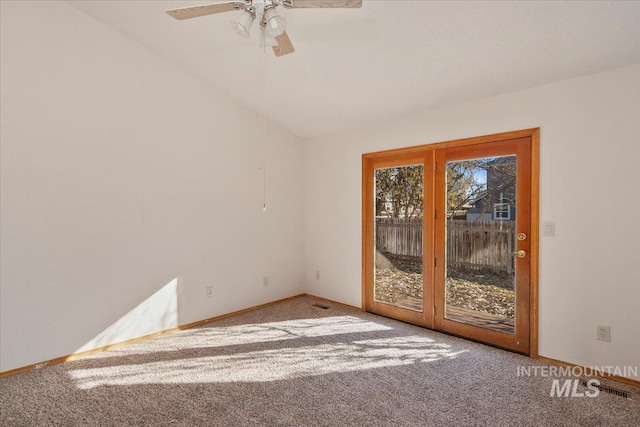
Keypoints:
pixel 223 336
pixel 349 354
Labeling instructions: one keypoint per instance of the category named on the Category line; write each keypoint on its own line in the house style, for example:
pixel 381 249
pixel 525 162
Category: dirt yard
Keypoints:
pixel 400 277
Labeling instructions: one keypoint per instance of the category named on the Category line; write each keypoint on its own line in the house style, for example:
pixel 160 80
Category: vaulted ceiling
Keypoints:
pixel 355 67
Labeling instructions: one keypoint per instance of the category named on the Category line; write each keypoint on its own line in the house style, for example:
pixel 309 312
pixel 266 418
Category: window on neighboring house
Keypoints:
pixel 502 211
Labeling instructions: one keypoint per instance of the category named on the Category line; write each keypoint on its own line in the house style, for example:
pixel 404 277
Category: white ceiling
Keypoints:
pixel 354 67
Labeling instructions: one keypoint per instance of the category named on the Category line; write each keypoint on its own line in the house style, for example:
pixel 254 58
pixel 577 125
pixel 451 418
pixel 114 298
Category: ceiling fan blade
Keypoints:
pixel 206 9
pixel 285 46
pixel 299 4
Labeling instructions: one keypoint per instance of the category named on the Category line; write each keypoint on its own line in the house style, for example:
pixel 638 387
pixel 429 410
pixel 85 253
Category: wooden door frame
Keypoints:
pixel 378 158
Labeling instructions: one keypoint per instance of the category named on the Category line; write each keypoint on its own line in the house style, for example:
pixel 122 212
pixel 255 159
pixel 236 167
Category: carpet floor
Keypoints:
pixel 296 364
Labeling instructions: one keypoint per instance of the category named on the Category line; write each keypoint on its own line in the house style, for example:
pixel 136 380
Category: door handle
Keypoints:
pixel 520 253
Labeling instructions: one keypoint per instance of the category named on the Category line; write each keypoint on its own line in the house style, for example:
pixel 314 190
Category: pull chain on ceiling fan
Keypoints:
pixel 273 27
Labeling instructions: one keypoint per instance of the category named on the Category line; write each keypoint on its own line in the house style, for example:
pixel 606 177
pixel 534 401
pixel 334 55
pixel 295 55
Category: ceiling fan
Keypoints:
pixel 272 26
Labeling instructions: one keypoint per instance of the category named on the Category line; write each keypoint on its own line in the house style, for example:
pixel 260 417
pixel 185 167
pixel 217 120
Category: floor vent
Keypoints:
pixel 322 306
pixel 608 390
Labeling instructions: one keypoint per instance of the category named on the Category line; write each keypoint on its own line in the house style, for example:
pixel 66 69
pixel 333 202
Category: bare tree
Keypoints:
pixel 465 188
pixel 399 190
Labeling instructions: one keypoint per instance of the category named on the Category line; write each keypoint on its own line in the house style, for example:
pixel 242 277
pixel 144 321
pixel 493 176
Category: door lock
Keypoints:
pixel 520 253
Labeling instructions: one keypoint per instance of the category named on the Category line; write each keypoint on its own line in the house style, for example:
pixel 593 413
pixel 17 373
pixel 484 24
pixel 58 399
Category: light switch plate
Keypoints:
pixel 549 229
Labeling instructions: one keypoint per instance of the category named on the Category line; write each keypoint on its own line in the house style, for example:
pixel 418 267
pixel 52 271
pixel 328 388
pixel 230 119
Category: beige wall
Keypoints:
pixel 127 188
pixel 590 152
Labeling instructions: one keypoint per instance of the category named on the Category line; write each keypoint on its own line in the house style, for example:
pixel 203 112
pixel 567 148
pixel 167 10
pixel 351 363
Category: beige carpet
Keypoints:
pixel 296 364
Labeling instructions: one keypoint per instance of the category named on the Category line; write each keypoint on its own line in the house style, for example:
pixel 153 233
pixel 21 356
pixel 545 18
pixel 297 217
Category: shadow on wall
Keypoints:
pixel 157 313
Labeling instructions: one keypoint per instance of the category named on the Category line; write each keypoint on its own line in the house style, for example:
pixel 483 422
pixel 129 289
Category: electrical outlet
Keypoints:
pixel 317 274
pixel 209 291
pixel 604 333
pixel 265 281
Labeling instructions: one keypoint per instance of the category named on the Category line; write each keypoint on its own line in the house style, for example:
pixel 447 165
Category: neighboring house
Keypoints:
pixel 489 209
pixel 498 203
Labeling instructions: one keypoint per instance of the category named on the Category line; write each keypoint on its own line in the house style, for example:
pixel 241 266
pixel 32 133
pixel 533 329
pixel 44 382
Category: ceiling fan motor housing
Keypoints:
pixel 259 6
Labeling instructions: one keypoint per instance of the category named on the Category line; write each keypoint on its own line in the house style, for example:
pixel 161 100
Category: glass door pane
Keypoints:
pixel 399 205
pixel 480 286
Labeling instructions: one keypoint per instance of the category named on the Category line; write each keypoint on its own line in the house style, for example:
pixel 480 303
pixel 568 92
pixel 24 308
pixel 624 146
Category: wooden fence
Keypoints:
pixel 470 244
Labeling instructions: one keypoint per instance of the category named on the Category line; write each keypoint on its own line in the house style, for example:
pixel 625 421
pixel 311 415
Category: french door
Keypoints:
pixel 450 237
pixel 397 276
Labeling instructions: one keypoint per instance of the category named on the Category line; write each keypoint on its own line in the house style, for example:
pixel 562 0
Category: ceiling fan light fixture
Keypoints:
pixel 275 25
pixel 242 25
